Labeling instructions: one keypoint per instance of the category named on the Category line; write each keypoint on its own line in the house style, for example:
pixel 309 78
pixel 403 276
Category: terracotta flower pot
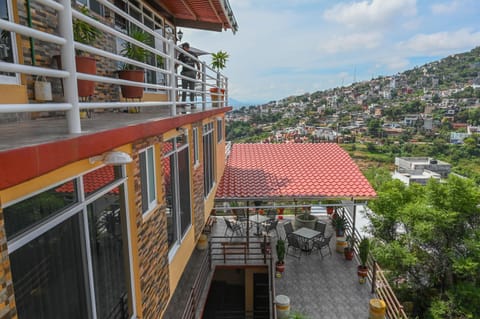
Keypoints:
pixel 280 267
pixel 349 253
pixel 131 92
pixel 362 272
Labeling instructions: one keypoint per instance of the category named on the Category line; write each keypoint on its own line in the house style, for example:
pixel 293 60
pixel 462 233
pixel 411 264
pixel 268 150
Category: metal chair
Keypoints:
pixel 271 214
pixel 321 243
pixel 320 227
pixel 233 227
pixel 295 243
pixel 270 226
pixel 288 228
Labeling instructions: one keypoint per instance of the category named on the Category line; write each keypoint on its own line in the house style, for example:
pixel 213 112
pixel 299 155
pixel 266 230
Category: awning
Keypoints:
pixel 214 15
pixel 291 171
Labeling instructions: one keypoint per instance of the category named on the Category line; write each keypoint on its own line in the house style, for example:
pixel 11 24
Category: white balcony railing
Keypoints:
pixel 70 101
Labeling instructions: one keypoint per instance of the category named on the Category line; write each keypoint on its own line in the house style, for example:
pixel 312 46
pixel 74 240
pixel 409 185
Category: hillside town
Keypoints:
pixel 442 96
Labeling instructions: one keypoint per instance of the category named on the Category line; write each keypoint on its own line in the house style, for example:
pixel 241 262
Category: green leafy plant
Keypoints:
pixel 133 51
pixel 364 250
pixel 84 32
pixel 219 60
pixel 280 251
pixel 339 223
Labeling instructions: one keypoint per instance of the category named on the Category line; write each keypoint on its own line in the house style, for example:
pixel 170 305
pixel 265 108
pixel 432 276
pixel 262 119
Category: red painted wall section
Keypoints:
pixel 22 164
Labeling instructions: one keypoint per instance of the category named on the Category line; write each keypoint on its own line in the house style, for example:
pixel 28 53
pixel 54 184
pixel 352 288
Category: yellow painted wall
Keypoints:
pixel 12 93
pixel 180 260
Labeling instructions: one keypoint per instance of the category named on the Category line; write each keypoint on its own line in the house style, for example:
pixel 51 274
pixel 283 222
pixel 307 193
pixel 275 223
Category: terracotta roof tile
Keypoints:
pixel 292 170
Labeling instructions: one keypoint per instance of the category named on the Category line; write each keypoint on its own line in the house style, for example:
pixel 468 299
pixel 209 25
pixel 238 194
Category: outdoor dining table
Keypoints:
pixel 307 234
pixel 258 219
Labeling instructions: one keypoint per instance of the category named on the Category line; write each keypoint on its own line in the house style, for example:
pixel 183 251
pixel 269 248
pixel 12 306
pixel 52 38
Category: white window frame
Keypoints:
pixel 11 79
pixel 80 209
pixel 219 130
pixel 196 150
pixel 151 177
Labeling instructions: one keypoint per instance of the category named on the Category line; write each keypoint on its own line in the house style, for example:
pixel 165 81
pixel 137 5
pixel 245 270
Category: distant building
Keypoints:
pixel 420 169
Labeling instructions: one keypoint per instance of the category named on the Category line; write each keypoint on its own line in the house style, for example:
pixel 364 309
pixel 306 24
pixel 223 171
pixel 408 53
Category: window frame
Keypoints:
pixel 150 178
pixel 219 130
pixel 79 210
pixel 196 147
pixel 11 79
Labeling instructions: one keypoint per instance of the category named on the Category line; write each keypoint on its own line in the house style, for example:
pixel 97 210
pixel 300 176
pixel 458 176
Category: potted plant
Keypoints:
pixel 349 251
pixel 280 264
pixel 86 34
pixel 330 209
pixel 129 71
pixel 219 62
pixel 363 251
pixel 305 219
pixel 339 223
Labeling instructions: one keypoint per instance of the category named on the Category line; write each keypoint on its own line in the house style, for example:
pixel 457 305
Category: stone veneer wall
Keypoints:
pixel 197 182
pixel 45 19
pixel 7 298
pixel 152 244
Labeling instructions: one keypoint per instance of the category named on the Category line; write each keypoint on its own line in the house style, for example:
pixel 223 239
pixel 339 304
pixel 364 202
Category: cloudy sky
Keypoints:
pixel 289 47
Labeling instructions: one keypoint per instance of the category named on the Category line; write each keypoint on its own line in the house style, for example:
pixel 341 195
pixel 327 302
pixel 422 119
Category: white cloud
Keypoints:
pixel 441 42
pixel 351 42
pixel 445 8
pixel 367 14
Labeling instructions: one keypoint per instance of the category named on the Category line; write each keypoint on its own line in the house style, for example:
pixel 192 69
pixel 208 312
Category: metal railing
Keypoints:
pixel 165 49
pixel 379 283
pixel 193 303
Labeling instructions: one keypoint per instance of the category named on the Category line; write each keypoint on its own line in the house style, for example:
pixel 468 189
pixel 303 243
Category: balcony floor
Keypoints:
pixel 43 130
pixel 326 288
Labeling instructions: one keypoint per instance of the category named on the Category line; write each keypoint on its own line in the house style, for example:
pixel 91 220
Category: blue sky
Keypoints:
pixel 289 47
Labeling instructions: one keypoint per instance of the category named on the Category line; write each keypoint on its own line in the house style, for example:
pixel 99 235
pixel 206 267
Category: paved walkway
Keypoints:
pixel 318 288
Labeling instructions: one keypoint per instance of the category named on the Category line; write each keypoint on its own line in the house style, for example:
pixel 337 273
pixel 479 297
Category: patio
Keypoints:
pixel 316 287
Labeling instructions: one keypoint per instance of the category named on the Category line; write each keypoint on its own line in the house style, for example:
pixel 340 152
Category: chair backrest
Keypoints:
pixel 293 241
pixel 326 240
pixel 288 228
pixel 271 214
pixel 320 227
pixel 228 223
pixel 272 225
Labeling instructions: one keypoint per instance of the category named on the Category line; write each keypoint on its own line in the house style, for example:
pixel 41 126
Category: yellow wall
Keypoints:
pixel 14 94
pixel 249 285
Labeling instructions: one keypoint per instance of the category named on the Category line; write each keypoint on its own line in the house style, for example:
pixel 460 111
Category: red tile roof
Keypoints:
pixel 292 171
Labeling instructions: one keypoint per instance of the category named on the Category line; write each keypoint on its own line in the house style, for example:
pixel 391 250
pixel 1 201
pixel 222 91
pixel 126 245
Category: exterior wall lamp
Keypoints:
pixel 112 158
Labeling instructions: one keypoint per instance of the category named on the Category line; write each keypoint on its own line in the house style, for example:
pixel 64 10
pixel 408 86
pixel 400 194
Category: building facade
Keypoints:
pixel 99 216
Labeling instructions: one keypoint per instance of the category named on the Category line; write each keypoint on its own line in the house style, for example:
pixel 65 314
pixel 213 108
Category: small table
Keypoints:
pixel 306 234
pixel 258 219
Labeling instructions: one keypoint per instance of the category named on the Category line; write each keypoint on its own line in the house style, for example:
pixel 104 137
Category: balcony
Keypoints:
pixel 34 120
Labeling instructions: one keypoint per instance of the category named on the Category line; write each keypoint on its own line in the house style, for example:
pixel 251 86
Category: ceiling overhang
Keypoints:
pixel 213 15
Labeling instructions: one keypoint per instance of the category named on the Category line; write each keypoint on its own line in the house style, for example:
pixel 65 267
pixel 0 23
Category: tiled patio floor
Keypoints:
pixel 318 288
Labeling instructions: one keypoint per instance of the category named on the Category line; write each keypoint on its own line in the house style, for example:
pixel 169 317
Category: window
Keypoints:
pixel 94 5
pixel 176 165
pixel 208 159
pixel 147 180
pixel 148 18
pixel 196 153
pixel 219 130
pixel 8 52
pixel 70 260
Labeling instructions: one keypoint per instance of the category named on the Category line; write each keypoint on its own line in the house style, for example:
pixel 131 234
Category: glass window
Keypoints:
pixel 94 5
pixel 100 178
pixel 147 175
pixel 48 275
pixel 7 43
pixel 208 158
pixel 196 155
pixel 219 130
pixel 106 244
pixel 27 213
pixel 176 167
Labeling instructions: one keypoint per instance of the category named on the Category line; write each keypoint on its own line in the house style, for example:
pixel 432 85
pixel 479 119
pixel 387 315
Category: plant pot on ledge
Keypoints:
pixel 132 92
pixel 362 272
pixel 217 95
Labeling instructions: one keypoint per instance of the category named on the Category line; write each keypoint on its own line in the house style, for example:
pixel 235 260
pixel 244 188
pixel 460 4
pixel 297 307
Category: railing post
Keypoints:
pixel 226 92
pixel 374 276
pixel 204 86
pixel 68 63
pixel 173 77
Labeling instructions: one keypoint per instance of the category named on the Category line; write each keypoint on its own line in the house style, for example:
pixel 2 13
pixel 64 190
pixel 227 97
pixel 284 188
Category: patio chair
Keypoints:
pixel 233 226
pixel 242 218
pixel 296 244
pixel 271 226
pixel 320 227
pixel 288 229
pixel 271 214
pixel 321 243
